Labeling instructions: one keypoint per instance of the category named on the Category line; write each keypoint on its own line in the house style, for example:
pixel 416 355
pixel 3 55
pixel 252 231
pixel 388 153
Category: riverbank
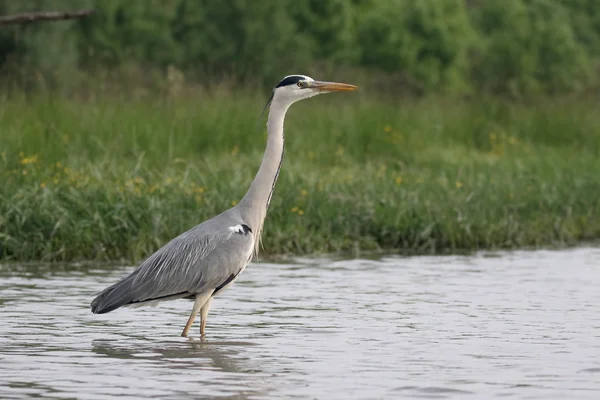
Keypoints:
pixel 109 179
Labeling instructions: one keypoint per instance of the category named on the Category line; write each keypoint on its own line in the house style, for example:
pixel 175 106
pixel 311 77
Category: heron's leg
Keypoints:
pixel 198 303
pixel 204 315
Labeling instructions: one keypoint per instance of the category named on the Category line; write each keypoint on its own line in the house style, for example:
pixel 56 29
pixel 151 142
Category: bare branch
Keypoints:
pixel 43 16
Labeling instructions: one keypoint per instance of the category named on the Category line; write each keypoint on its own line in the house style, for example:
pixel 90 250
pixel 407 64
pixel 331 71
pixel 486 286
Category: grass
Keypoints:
pixel 116 178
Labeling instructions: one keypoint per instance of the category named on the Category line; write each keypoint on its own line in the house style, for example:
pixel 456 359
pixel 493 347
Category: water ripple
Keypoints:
pixel 520 324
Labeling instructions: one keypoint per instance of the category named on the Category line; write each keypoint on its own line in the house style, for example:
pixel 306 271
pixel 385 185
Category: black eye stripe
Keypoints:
pixel 290 80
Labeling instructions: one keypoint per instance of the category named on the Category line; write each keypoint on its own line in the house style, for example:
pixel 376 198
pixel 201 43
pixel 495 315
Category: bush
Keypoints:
pixel 42 54
pixel 515 47
pixel 527 48
pixel 427 40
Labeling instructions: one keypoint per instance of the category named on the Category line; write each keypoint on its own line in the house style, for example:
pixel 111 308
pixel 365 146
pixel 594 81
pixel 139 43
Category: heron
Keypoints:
pixel 201 262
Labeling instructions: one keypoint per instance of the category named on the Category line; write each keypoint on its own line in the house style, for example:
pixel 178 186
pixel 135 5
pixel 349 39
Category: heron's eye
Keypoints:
pixel 300 83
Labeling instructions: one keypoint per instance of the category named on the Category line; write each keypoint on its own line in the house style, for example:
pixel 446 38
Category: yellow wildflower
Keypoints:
pixel 43 185
pixel 387 129
pixel 395 137
pixel 29 160
pixel 303 192
pixel 233 203
pixel 294 209
pixel 398 180
pixel 459 184
pixel 300 212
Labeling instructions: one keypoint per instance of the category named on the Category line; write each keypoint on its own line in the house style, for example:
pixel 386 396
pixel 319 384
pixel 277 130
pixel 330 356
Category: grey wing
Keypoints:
pixel 206 257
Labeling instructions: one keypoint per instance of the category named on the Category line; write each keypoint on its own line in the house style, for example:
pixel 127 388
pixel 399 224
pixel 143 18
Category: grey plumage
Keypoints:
pixel 185 266
pixel 206 259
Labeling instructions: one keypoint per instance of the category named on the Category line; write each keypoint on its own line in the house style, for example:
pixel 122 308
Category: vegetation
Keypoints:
pixel 475 127
pixel 510 47
pixel 110 178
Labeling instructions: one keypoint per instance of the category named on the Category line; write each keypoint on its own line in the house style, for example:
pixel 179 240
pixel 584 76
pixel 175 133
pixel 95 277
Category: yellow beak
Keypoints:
pixel 333 86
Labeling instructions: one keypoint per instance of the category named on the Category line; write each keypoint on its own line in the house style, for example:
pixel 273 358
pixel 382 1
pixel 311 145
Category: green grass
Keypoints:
pixel 116 178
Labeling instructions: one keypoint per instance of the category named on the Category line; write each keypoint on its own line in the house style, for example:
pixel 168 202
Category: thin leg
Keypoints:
pixel 204 315
pixel 198 303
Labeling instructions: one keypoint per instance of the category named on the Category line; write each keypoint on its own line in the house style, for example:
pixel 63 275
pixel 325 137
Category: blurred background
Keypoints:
pixel 475 127
pixel 515 47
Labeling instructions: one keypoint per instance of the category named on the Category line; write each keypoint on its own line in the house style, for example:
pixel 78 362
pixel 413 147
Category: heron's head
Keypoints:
pixel 297 87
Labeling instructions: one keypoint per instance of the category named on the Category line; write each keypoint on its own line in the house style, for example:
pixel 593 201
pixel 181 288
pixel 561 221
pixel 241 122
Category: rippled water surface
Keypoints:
pixel 524 324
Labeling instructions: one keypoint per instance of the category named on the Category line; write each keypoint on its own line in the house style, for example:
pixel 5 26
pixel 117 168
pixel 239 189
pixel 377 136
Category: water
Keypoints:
pixel 523 324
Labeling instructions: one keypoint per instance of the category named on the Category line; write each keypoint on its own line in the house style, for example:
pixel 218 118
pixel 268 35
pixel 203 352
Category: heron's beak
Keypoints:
pixel 332 86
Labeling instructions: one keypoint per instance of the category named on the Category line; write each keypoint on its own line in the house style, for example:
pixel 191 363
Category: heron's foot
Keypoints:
pixel 203 328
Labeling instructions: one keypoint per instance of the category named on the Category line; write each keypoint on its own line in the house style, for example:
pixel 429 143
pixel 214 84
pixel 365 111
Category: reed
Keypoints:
pixel 115 178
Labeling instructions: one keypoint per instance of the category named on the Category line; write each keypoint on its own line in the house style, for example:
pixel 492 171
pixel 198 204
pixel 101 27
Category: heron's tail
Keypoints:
pixel 114 296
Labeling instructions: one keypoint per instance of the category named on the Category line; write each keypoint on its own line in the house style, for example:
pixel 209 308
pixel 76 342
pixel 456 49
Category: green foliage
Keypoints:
pixel 212 39
pixel 515 47
pixel 528 47
pixel 427 40
pixel 327 26
pixel 39 54
pixel 124 31
pixel 238 38
pixel 117 179
pixel 585 21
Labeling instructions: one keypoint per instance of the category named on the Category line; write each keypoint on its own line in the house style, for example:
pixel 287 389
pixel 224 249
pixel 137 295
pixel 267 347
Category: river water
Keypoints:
pixel 519 324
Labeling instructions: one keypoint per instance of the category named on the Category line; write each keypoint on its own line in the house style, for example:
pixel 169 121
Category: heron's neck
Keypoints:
pixel 253 207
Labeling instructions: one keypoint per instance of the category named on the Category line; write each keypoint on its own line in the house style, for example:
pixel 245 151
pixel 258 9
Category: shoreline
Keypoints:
pixel 116 179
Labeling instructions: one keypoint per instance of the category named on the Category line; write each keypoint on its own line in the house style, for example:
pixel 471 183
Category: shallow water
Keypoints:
pixel 522 324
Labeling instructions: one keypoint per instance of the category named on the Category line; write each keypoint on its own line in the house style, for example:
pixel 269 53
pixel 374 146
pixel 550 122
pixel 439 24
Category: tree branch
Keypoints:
pixel 43 16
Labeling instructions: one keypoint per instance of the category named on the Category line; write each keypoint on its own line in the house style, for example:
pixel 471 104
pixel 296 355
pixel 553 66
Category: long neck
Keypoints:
pixel 253 207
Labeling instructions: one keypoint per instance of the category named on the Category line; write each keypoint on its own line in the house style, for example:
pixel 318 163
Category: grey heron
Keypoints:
pixel 202 262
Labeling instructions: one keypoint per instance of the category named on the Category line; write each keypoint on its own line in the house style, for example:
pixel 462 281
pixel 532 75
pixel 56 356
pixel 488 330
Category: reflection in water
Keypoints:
pixel 521 324
pixel 193 356
pixel 222 356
